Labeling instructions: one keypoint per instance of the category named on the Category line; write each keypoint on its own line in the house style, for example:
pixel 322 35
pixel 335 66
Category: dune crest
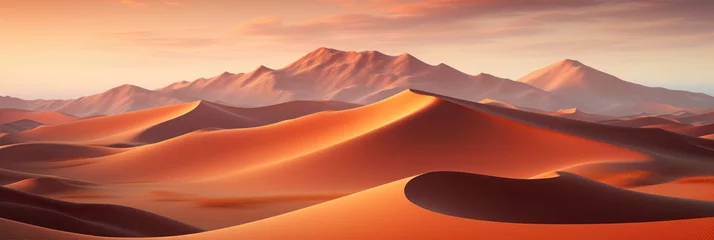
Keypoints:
pixel 565 199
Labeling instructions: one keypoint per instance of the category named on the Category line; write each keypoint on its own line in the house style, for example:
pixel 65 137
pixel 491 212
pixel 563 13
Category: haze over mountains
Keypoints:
pixel 370 76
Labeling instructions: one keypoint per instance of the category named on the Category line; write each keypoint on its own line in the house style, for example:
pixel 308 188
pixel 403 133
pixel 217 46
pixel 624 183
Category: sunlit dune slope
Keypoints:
pixel 12 115
pixel 50 185
pixel 93 219
pixel 643 122
pixel 158 124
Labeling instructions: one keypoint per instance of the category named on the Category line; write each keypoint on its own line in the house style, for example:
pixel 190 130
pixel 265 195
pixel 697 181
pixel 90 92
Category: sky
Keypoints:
pixel 70 48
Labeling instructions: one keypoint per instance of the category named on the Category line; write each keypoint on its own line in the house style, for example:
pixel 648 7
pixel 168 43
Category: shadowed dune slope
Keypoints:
pixel 384 212
pixel 565 199
pixel 698 119
pixel 93 219
pixel 695 131
pixel 647 140
pixel 12 115
pixel 19 126
pixel 18 155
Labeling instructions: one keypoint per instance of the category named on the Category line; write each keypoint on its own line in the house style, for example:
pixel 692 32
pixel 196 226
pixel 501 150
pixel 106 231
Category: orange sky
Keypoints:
pixel 70 48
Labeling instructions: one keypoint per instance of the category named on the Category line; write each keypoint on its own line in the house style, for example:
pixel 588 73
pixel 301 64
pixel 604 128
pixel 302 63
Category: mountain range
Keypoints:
pixel 370 76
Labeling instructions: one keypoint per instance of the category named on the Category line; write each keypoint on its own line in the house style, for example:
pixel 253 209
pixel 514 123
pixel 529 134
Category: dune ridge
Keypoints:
pixel 159 124
pixel 93 219
pixel 385 212
pixel 564 199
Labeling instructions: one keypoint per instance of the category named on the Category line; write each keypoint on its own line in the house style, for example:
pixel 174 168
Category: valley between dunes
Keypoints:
pixel 415 165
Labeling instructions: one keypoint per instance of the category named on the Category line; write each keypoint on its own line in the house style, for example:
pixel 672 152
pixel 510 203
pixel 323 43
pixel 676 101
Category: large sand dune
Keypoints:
pixel 217 166
pixel 101 220
pixel 385 212
pixel 410 132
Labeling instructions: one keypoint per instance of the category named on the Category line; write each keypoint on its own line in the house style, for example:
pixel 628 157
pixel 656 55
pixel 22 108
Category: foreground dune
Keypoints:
pixel 385 212
pixel 564 199
pixel 408 209
pixel 100 220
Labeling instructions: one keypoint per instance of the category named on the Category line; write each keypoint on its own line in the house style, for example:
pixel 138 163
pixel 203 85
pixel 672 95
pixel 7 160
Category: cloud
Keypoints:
pixel 133 3
pixel 466 21
pixel 155 39
pixel 147 3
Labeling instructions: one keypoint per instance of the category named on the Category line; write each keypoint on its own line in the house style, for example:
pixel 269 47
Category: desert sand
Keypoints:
pixel 415 164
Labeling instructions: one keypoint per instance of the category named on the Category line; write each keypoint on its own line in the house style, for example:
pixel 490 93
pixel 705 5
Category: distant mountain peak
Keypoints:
pixel 570 62
pixel 126 88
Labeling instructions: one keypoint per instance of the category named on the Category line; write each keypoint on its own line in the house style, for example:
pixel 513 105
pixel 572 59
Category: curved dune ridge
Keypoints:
pixel 158 124
pixel 643 122
pixel 19 126
pixel 565 199
pixel 385 212
pixel 49 118
pixel 50 185
pixel 648 140
pixel 353 149
pixel 695 131
pixel 27 155
pixel 93 219
pixel 498 103
pixel 334 153
pixel 698 119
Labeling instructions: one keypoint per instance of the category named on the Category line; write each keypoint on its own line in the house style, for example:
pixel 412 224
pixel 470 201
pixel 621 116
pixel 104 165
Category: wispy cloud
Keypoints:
pixel 147 3
pixel 134 3
pixel 451 21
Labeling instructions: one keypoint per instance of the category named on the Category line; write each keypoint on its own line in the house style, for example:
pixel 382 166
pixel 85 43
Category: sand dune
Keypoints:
pixel 100 220
pixel 19 126
pixel 643 122
pixel 695 131
pixel 385 212
pixel 574 113
pixel 307 160
pixel 698 119
pixel 565 199
pixel 410 132
pixel 158 124
pixel 13 115
pixel 49 186
pixel 27 155
pixel 498 103
pixel 646 109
